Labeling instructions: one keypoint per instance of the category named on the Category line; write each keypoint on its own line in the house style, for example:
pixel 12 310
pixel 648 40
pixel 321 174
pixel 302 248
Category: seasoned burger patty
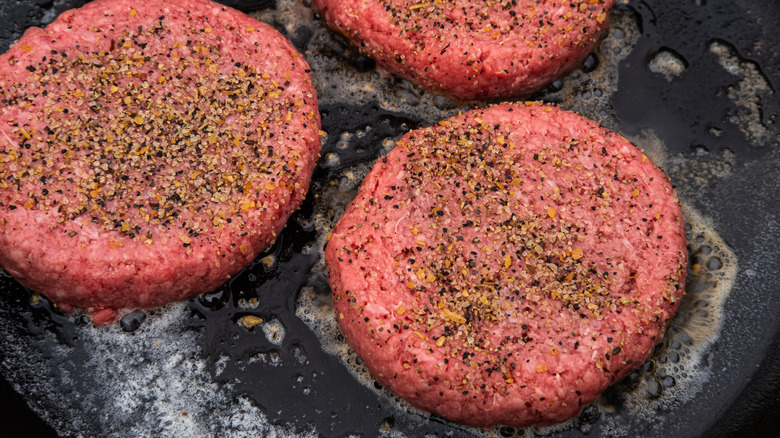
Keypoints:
pixel 472 49
pixel 507 265
pixel 148 150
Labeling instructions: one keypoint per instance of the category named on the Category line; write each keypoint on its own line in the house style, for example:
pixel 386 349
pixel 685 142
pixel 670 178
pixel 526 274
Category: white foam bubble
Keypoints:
pixel 668 64
pixel 274 331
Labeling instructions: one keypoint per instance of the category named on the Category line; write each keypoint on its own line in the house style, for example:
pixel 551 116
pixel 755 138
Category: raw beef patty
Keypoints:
pixel 472 50
pixel 507 265
pixel 148 151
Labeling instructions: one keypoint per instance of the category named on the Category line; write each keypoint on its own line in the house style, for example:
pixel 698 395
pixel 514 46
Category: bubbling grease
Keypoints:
pixel 668 63
pixel 749 94
pixel 677 371
pixel 672 375
pixel 164 378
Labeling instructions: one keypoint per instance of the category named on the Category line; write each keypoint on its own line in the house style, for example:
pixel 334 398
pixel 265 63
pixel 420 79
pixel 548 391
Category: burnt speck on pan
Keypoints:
pixel 692 83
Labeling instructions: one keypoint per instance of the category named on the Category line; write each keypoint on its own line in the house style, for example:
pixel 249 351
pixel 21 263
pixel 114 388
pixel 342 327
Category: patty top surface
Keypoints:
pixel 141 132
pixel 506 265
pixel 472 50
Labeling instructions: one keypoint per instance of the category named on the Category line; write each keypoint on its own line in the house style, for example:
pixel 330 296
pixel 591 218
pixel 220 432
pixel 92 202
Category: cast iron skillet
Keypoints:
pixel 723 152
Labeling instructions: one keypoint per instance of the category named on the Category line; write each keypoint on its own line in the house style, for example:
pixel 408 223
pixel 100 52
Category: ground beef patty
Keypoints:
pixel 508 264
pixel 471 49
pixel 149 150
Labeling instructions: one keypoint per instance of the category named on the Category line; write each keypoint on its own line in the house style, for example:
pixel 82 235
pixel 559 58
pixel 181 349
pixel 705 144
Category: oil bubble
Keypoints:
pixel 215 299
pixel 591 63
pixel 132 322
pixel 714 263
pixel 617 33
pixel 587 90
pixel 667 63
pixel 332 159
pixel 274 331
pixel 299 353
pixel 248 304
pixel 343 140
pixel 652 389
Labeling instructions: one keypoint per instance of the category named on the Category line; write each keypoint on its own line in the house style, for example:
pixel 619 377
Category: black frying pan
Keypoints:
pixel 694 83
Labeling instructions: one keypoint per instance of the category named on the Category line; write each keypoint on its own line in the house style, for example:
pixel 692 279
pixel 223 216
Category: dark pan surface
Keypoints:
pixel 693 82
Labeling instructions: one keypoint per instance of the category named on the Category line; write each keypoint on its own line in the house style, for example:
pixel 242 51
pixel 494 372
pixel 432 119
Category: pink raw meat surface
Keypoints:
pixel 472 50
pixel 148 151
pixel 507 265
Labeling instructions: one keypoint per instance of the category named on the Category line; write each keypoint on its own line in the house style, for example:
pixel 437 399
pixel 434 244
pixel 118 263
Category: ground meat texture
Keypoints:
pixel 472 50
pixel 148 151
pixel 507 265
